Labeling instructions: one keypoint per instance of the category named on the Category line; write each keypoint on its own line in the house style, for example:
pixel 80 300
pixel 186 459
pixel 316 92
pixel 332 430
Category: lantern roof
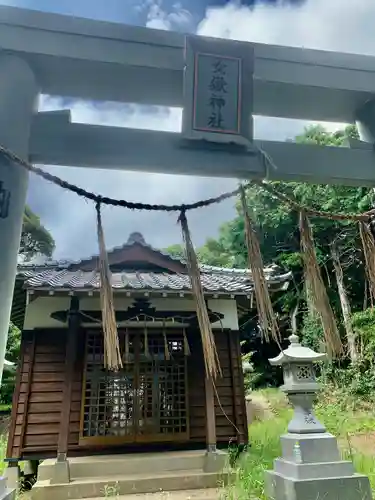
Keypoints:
pixel 295 353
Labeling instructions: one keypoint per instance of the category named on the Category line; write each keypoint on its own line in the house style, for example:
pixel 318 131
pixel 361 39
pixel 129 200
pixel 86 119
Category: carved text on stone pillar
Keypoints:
pixel 217 94
pixel 218 87
pixel 309 418
pixel 218 91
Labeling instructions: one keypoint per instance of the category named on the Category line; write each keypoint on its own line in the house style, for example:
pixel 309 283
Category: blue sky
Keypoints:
pixel 134 11
pixel 310 24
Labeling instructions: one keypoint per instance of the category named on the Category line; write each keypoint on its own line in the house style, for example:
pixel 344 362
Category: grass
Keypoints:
pixel 341 419
pixel 351 422
pixel 5 408
pixel 3 447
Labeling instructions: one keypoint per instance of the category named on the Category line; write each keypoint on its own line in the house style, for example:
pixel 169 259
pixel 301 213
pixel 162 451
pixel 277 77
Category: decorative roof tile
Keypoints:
pixel 225 282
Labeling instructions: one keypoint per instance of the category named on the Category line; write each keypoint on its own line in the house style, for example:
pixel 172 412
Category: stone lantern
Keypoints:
pixel 300 385
pixel 311 466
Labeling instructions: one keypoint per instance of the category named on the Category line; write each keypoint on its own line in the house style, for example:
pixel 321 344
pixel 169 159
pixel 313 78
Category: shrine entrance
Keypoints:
pixel 144 402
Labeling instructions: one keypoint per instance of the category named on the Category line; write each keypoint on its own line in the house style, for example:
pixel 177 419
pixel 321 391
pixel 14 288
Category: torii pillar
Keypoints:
pixel 365 119
pixel 18 95
pixel 18 102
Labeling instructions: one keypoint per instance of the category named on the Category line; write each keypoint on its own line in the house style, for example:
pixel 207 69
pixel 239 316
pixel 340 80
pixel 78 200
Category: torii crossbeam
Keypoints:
pixel 79 58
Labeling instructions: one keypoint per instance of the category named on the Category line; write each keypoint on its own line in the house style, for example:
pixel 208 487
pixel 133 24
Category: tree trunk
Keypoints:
pixel 344 301
pixel 293 320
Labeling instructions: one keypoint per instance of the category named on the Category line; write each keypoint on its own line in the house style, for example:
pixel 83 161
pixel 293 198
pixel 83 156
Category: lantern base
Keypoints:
pixel 311 468
pixel 309 448
pixel 356 487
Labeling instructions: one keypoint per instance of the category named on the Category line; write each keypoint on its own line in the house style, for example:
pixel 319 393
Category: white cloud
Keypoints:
pixel 316 24
pixel 334 25
pixel 118 115
pixel 177 18
pixel 180 17
pixel 338 25
pixel 69 217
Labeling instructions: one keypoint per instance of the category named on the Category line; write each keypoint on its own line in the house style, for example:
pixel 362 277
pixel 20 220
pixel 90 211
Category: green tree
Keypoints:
pixel 12 354
pixel 176 250
pixel 277 227
pixel 210 253
pixel 338 244
pixel 35 238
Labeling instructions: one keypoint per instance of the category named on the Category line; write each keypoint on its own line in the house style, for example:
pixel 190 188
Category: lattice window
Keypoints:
pixel 147 398
pixel 304 372
pixel 108 402
pixel 162 388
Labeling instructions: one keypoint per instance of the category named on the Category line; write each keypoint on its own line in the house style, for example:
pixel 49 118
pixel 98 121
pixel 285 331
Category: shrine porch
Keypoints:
pixel 101 476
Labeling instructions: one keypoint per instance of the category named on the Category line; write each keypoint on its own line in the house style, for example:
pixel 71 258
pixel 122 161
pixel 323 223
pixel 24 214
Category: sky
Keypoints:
pixel 329 25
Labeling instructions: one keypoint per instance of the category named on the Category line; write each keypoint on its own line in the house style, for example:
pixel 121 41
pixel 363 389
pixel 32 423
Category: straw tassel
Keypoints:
pixel 368 245
pixel 186 343
pixel 211 359
pixel 112 356
pixel 316 289
pixel 266 315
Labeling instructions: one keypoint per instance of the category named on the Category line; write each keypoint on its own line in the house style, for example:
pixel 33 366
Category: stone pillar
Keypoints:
pixel 365 120
pixel 10 483
pixel 61 472
pixel 18 99
pixel 310 467
pixel 12 474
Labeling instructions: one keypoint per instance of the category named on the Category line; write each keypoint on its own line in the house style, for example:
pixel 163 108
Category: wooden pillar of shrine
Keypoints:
pixel 62 467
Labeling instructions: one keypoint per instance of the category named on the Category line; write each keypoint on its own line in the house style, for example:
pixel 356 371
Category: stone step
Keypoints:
pixel 125 485
pixel 206 494
pixel 115 465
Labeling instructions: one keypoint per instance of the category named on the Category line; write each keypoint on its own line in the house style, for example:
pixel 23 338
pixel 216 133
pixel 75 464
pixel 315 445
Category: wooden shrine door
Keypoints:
pixel 144 402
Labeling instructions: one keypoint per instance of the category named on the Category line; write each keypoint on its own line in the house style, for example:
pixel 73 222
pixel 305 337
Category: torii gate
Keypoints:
pixel 67 56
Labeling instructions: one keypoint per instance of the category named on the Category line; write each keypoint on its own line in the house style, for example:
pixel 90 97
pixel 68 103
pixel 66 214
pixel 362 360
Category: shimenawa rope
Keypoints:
pixel 104 200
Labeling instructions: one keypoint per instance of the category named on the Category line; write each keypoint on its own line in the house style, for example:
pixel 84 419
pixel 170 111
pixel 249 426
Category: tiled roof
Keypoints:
pixel 134 238
pixel 227 281
pixel 65 275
